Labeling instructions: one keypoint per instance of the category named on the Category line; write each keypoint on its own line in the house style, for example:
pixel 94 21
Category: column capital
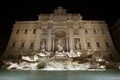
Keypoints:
pixel 53 35
pixel 50 23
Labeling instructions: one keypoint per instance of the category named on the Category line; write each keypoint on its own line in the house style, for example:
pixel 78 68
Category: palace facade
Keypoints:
pixel 59 31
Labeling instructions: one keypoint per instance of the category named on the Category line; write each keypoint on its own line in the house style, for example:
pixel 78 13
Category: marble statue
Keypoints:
pixel 59 45
pixel 77 44
pixel 42 45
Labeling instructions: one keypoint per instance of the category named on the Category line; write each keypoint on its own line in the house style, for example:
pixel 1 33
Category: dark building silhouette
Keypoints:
pixel 115 30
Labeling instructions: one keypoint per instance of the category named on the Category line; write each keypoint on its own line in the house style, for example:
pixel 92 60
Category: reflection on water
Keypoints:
pixel 59 75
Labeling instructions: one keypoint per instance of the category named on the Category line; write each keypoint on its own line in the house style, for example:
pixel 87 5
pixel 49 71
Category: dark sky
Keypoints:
pixel 24 10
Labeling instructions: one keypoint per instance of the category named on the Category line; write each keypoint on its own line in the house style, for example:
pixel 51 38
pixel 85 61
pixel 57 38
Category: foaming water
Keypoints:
pixel 57 62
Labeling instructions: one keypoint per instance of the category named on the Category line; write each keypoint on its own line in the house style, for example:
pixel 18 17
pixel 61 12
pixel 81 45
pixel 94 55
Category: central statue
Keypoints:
pixel 59 45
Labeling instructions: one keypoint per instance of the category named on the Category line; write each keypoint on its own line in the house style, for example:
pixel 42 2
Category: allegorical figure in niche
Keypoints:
pixel 59 45
pixel 42 45
pixel 77 44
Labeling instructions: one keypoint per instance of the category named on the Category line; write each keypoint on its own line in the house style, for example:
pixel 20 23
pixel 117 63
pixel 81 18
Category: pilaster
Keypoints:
pixel 49 39
pixel 82 38
pixel 70 38
pixel 37 39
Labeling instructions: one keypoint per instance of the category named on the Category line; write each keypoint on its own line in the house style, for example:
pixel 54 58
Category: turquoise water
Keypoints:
pixel 59 75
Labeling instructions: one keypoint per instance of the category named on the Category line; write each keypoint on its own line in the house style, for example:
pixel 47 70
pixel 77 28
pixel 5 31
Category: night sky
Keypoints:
pixel 24 10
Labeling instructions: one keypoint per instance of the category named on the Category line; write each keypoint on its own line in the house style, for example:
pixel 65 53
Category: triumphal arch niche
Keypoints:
pixel 59 31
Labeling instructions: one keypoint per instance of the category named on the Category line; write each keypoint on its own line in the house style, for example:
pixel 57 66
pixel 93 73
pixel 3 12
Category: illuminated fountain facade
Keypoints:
pixel 62 36
pixel 59 31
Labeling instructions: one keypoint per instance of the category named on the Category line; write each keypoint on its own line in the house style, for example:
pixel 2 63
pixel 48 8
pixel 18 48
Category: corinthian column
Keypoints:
pixel 53 44
pixel 67 44
pixel 37 40
pixel 49 39
pixel 70 38
pixel 82 38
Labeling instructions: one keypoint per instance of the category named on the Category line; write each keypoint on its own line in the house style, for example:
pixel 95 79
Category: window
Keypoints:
pixel 34 31
pixel 107 45
pixel 86 31
pixel 88 44
pixel 103 31
pixel 31 45
pixel 17 31
pixel 13 45
pixel 94 31
pixel 25 31
pixel 97 43
pixel 22 45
